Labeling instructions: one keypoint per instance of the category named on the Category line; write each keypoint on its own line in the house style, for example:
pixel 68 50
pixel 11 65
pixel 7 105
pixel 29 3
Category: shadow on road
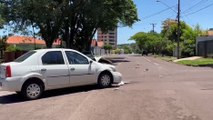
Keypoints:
pixel 15 98
pixel 119 60
pixel 209 66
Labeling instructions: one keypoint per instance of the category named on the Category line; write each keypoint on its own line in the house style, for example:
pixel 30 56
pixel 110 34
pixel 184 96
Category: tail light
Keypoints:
pixel 8 72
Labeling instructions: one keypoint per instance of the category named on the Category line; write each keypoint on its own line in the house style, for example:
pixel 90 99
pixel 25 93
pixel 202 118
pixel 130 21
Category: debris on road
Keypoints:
pixel 137 67
pixel 121 83
pixel 116 89
pixel 146 70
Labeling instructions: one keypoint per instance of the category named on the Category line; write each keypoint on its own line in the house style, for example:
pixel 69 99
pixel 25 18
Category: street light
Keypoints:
pixel 178 17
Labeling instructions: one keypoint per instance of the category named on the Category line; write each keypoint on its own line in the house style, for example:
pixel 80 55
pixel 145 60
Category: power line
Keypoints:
pixel 199 10
pixel 157 13
pixel 166 5
pixel 195 5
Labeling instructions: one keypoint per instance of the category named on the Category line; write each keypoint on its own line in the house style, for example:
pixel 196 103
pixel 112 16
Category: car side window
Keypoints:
pixel 53 58
pixel 76 58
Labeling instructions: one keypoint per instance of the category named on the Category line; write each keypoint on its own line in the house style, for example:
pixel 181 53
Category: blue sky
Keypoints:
pixel 192 12
pixel 147 9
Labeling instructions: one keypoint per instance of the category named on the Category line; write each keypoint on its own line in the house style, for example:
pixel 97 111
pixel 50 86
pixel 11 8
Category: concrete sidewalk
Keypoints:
pixel 188 58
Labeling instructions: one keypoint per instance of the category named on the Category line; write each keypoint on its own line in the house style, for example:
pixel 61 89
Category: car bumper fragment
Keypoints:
pixel 117 77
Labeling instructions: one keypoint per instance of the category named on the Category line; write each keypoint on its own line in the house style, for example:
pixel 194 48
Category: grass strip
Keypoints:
pixel 198 62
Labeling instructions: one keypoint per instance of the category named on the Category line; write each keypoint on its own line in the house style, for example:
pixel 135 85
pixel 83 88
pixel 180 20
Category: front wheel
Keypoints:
pixel 32 90
pixel 105 80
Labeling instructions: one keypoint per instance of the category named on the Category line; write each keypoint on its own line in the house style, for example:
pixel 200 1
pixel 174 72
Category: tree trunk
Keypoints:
pixel 66 37
pixel 48 44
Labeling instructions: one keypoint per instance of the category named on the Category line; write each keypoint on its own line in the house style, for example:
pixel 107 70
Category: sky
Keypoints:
pixel 193 12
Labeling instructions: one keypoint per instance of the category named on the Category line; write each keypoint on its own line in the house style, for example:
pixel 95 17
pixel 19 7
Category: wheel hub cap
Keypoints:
pixel 105 80
pixel 33 90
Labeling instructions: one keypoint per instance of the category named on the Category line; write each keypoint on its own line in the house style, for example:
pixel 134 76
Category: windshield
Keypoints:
pixel 24 56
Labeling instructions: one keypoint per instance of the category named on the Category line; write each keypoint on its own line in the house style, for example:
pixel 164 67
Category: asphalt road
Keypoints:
pixel 155 90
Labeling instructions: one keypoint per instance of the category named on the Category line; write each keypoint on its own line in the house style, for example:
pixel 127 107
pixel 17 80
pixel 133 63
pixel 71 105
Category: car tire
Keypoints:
pixel 18 93
pixel 32 90
pixel 105 80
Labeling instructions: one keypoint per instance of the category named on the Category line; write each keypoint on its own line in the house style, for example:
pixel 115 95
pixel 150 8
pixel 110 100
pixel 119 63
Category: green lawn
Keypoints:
pixel 198 62
pixel 166 58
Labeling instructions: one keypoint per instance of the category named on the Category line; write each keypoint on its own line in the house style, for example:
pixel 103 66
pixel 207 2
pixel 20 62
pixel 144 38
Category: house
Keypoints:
pixel 29 43
pixel 204 45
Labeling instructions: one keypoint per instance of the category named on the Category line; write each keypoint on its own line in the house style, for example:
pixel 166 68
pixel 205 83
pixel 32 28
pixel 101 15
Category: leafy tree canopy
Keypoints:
pixel 151 42
pixel 187 38
pixel 75 21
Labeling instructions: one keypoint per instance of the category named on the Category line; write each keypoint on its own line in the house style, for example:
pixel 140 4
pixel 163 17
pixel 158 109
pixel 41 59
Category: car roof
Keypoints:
pixel 52 49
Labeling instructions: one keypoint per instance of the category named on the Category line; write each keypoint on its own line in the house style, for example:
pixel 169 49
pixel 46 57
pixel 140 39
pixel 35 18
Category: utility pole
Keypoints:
pixel 179 26
pixel 178 39
pixel 153 27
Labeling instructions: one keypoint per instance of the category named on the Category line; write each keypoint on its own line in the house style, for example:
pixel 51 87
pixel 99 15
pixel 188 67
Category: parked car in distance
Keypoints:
pixel 46 69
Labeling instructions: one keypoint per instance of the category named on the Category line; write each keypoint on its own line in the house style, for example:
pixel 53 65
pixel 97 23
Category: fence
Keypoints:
pixel 205 48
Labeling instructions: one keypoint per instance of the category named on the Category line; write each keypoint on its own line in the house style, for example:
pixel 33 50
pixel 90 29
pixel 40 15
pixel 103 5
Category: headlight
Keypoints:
pixel 113 69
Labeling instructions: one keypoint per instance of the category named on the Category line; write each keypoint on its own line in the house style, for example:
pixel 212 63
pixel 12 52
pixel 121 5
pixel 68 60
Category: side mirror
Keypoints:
pixel 90 61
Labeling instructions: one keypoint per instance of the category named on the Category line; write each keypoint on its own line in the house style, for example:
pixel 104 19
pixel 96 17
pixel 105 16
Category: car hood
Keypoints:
pixel 108 65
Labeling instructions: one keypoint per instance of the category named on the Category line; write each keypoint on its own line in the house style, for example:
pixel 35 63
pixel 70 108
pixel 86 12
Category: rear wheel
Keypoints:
pixel 32 90
pixel 105 80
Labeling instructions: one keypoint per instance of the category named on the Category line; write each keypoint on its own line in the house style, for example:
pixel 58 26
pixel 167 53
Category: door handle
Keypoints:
pixel 72 69
pixel 43 70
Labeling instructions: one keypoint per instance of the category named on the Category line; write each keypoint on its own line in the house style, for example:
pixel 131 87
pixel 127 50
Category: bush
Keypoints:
pixel 13 49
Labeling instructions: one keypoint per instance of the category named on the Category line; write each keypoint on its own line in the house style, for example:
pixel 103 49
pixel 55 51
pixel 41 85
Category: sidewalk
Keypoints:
pixel 189 58
pixel 2 93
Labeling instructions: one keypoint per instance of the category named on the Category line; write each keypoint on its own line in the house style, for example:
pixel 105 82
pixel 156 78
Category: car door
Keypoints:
pixel 54 69
pixel 82 71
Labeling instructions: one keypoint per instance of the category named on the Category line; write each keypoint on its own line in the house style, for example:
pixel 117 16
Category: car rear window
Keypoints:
pixel 24 56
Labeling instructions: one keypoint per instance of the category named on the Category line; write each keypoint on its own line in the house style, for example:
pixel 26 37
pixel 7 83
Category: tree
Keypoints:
pixel 45 15
pixel 127 49
pixel 150 42
pixel 3 43
pixel 85 17
pixel 140 39
pixel 2 21
pixel 187 38
pixel 107 48
pixel 75 21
